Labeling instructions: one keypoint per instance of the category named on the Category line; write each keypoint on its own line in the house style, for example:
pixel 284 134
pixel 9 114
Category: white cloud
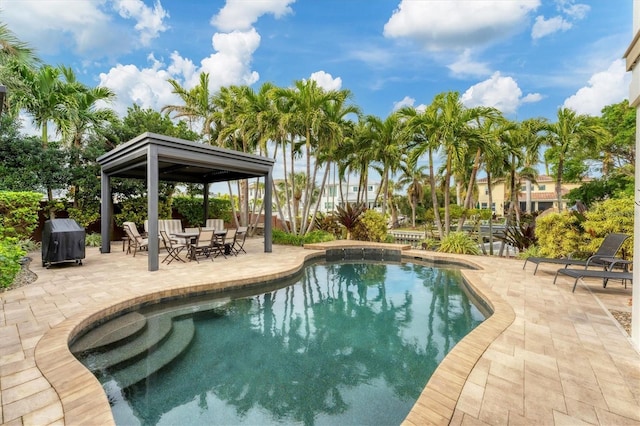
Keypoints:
pixel 88 28
pixel 498 91
pixel 604 88
pixel 544 27
pixel 326 80
pixel 465 66
pixel 456 24
pixel 242 14
pixel 147 87
pixel 231 64
pixel 149 22
pixel 571 11
pixel 407 101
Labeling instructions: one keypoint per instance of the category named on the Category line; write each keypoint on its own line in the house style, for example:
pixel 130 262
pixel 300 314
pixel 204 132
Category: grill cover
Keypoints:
pixel 62 240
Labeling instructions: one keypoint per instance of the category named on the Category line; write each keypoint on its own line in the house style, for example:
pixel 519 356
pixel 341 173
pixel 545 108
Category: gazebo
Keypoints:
pixel 153 157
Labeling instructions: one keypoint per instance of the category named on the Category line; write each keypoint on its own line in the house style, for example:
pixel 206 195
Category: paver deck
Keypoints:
pixel 546 355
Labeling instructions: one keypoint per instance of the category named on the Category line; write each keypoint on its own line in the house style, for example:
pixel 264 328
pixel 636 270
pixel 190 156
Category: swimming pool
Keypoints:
pixel 349 342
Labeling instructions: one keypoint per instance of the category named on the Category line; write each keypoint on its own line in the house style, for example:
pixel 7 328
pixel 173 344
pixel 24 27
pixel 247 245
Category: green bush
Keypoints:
pixel 459 243
pixel 10 256
pixel 29 245
pixel 191 208
pixel 371 226
pixel 19 213
pixel 93 240
pixel 613 215
pixel 285 238
pixel 561 235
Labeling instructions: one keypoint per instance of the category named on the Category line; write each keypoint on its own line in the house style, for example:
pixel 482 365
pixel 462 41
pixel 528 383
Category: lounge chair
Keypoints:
pixel 605 275
pixel 603 257
pixel 238 240
pixel 135 239
pixel 174 247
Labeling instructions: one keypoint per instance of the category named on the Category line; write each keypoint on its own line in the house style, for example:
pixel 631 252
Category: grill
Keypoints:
pixel 63 240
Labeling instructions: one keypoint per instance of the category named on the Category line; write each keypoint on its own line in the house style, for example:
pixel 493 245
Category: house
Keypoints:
pixel 543 195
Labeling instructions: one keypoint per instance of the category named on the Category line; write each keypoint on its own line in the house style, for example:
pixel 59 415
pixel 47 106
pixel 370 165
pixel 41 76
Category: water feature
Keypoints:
pixel 348 343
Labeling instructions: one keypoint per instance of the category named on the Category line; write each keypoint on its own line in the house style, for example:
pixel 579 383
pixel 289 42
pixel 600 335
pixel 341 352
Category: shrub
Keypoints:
pixel 93 240
pixel 191 208
pixel 328 223
pixel 349 216
pixel 613 215
pixel 10 256
pixel 19 213
pixel 285 238
pixel 459 243
pixel 430 244
pixel 29 245
pixel 371 226
pixel 561 235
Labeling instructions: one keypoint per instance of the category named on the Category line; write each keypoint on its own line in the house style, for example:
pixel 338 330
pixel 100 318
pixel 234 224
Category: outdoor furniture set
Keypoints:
pixel 209 242
pixel 611 267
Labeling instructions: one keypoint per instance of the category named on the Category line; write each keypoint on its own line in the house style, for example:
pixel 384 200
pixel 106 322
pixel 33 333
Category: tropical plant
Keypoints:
pixel 459 243
pixel 371 226
pixel 570 135
pixel 349 215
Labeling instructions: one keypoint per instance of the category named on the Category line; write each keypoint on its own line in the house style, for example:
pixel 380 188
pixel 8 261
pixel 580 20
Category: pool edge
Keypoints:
pixel 84 401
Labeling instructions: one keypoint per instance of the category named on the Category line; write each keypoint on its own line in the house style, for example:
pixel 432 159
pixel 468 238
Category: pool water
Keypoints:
pixel 348 343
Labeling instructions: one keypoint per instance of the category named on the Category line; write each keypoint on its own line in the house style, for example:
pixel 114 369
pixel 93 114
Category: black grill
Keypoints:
pixel 63 240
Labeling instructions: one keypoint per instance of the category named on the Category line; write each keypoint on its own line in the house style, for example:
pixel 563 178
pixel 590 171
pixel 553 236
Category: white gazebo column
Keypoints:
pixel 632 55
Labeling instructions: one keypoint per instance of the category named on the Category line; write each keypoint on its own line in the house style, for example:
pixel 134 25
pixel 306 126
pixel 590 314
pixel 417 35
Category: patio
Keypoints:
pixel 546 356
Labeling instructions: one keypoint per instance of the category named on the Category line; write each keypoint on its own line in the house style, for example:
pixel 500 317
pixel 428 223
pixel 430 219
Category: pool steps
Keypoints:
pixel 135 345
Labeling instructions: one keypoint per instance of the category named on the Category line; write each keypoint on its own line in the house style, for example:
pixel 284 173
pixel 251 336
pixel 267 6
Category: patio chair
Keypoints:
pixel 218 247
pixel 238 240
pixel 606 275
pixel 604 256
pixel 135 239
pixel 173 248
pixel 203 245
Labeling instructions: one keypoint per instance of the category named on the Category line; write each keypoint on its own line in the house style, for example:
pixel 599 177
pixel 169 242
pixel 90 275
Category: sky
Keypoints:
pixel 525 57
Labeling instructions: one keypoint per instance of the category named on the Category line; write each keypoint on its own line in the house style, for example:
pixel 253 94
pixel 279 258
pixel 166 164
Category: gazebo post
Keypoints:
pixel 152 200
pixel 268 207
pixel 205 197
pixel 105 212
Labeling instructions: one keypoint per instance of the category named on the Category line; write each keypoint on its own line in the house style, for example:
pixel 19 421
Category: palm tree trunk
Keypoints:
pixel 233 205
pixel 315 210
pixel 434 196
pixel 559 184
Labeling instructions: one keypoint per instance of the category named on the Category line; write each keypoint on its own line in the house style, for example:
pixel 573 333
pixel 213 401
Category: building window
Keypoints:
pixel 332 191
pixel 370 188
pixel 486 191
pixel 328 206
pixel 493 207
pixel 542 187
pixel 483 205
pixel 523 188
pixel 354 189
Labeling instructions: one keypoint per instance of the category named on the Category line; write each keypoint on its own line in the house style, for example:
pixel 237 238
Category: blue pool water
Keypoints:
pixel 348 343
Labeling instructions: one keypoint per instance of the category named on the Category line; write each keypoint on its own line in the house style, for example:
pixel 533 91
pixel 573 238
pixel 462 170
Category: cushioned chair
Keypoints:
pixel 136 241
pixel 174 247
pixel 203 244
pixel 603 257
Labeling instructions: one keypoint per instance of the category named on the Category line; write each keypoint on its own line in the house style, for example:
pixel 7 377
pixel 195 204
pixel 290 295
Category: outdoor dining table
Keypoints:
pixel 190 237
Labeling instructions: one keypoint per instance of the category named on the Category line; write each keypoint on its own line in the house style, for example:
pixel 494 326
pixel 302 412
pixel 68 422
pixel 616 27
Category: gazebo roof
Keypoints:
pixel 180 160
pixel 153 158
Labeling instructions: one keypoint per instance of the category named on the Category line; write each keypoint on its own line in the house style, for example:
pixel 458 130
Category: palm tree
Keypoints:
pixel 13 51
pixel 570 133
pixel 198 106
pixel 46 98
pixel 386 146
pixel 413 178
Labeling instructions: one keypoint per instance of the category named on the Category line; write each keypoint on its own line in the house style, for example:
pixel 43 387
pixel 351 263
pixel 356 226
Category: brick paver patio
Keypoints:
pixel 546 355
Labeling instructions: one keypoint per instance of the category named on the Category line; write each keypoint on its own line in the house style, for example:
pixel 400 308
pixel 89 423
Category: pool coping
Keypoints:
pixel 84 401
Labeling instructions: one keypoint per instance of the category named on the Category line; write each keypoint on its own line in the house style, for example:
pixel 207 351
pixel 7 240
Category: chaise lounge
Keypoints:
pixel 606 275
pixel 603 257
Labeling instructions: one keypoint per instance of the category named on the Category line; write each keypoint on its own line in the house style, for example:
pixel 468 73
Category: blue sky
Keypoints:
pixel 525 57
